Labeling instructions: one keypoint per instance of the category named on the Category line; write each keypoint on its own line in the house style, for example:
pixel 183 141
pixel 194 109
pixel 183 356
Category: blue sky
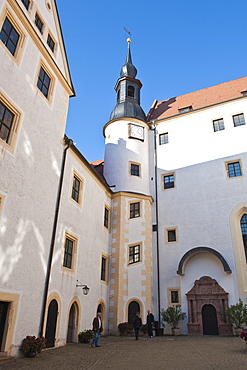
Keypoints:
pixel 178 47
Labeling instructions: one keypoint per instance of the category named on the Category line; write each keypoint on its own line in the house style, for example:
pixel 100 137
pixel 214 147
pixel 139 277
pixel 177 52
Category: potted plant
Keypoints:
pixel 31 345
pixel 172 315
pixel 237 314
pixel 125 328
pixel 85 336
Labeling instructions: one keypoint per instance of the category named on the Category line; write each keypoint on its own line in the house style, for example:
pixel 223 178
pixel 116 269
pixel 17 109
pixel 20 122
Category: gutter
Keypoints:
pixel 68 143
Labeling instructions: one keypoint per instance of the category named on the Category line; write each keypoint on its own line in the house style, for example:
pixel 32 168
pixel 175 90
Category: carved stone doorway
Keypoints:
pixel 207 302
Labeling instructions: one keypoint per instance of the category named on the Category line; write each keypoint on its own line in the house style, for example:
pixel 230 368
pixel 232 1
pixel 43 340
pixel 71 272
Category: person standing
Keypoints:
pixel 97 329
pixel 150 323
pixel 137 323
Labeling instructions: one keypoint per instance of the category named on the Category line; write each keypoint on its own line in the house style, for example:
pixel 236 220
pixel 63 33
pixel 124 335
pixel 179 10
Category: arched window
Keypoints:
pixel 131 91
pixel 243 224
pixel 118 95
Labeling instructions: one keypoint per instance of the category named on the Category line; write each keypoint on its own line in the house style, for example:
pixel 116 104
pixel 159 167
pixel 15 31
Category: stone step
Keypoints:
pixel 4 359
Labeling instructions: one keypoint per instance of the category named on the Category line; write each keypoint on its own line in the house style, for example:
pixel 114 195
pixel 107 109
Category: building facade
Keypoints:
pixel 162 220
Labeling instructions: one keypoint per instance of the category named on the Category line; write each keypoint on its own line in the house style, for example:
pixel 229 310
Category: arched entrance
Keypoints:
pixel 72 324
pixel 133 308
pixel 51 324
pixel 209 320
pixel 207 302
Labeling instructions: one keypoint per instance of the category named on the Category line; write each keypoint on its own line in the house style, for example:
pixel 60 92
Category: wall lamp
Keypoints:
pixel 84 287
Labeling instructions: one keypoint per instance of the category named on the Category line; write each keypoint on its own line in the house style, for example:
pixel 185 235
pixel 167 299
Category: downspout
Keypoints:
pixel 157 220
pixel 68 143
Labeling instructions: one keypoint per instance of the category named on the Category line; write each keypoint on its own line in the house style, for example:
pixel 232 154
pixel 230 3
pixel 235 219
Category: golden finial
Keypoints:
pixel 129 40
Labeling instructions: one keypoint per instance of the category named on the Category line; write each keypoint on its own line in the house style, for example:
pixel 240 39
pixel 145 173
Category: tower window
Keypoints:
pixel 103 268
pixel 131 91
pixel 68 253
pixel 106 218
pixel 118 96
pixel 134 210
pixel 76 189
pixel 9 36
pixel 134 254
pixel 171 236
pixel 135 169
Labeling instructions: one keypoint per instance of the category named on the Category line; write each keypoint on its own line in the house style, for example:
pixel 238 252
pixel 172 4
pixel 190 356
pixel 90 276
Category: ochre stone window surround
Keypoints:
pixel 49 96
pixel 135 169
pixel 10 144
pixel 174 296
pixel 168 181
pixel 20 44
pixel 171 233
pixel 71 238
pixel 76 175
pixel 234 169
pixel 134 253
pixel 104 268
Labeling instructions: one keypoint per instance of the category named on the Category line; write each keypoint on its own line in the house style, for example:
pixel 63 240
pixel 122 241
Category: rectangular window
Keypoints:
pixel 171 236
pixel 163 138
pixel 43 82
pixel 106 218
pixel 50 42
pixel 185 109
pixel 234 169
pixel 26 3
pixel 238 120
pixel 169 181
pixel 9 36
pixel 76 189
pixel 134 210
pixel 39 23
pixel 134 254
pixel 6 122
pixel 103 268
pixel 174 296
pixel 135 169
pixel 68 252
pixel 218 125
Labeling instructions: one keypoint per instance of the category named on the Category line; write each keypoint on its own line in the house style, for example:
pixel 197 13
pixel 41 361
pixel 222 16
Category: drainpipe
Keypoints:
pixel 157 219
pixel 68 143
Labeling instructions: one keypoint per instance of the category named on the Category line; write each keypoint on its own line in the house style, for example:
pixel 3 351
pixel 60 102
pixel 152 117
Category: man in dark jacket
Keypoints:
pixel 150 322
pixel 137 323
pixel 97 329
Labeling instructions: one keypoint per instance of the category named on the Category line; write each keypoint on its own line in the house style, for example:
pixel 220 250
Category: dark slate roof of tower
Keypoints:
pixel 128 106
pixel 128 69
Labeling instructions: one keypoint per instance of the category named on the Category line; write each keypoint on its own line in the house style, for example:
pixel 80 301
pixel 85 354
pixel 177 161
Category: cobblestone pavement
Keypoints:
pixel 121 353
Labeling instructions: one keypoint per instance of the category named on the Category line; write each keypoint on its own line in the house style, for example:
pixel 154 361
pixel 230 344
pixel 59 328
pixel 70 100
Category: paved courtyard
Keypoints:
pixel 121 353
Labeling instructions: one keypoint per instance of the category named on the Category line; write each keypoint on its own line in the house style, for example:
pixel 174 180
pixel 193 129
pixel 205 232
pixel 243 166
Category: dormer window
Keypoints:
pixel 185 109
pixel 131 91
pixel 244 93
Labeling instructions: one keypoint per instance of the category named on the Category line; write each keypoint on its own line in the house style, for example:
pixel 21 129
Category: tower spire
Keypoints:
pixel 128 91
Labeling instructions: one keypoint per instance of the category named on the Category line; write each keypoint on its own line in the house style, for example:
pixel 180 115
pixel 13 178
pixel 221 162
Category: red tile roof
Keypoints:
pixel 198 99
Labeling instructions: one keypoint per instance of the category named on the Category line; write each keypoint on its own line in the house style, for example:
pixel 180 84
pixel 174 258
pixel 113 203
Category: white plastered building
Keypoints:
pixel 162 220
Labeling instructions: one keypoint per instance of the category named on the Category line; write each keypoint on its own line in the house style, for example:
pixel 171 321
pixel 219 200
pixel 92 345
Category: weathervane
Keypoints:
pixel 128 39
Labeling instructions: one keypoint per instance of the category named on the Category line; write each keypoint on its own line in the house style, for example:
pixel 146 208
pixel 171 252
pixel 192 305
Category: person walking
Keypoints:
pixel 137 323
pixel 97 329
pixel 150 323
